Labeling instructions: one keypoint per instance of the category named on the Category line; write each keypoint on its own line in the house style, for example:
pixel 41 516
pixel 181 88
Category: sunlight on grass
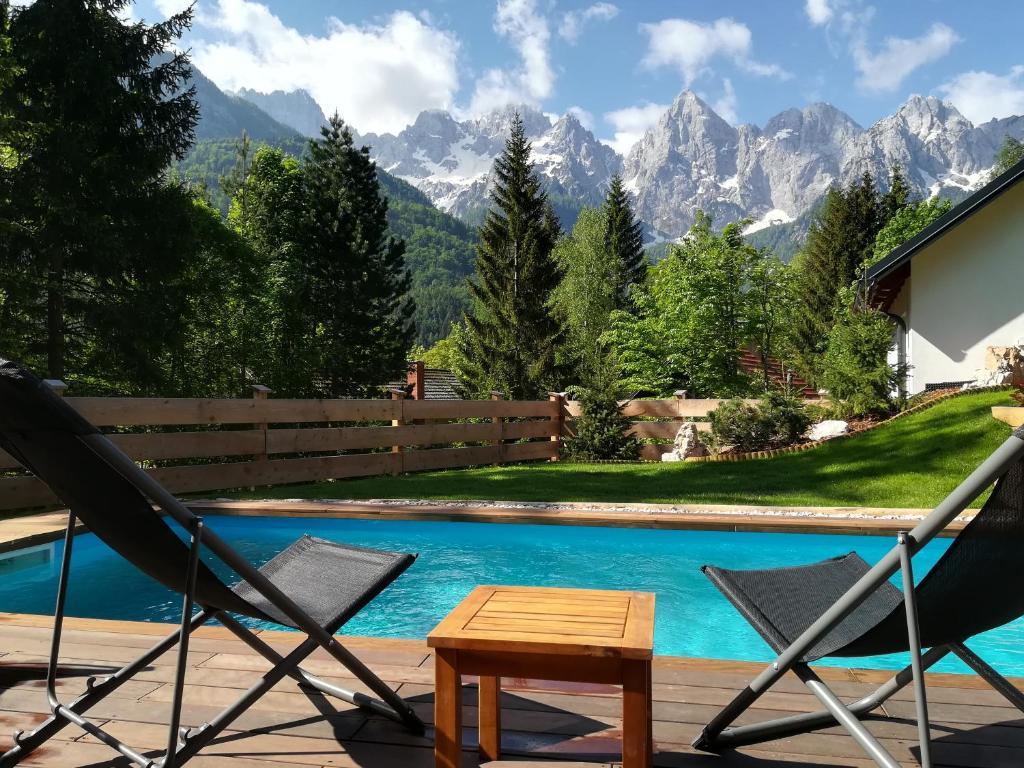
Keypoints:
pixel 912 462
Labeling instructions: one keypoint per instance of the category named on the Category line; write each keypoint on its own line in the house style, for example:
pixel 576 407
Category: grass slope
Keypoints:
pixel 911 462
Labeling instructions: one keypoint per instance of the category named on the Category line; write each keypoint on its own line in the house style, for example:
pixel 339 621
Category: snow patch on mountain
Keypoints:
pixel 692 159
pixel 770 219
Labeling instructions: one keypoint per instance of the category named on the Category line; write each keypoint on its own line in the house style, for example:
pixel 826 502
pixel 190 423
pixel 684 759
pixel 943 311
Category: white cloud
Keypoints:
pixel 690 45
pixel 533 81
pixel 886 69
pixel 170 7
pixel 630 123
pixel 726 104
pixel 586 118
pixel 573 21
pixel 981 96
pixel 818 11
pixel 378 77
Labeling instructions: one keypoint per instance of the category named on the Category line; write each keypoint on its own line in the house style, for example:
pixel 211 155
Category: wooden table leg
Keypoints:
pixel 490 718
pixel 447 709
pixel 637 734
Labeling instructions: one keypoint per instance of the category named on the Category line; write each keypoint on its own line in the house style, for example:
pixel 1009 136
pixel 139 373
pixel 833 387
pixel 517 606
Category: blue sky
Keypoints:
pixel 616 63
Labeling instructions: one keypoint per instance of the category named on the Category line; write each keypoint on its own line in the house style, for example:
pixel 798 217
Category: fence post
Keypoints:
pixel 58 386
pixel 558 398
pixel 260 392
pixel 680 395
pixel 499 422
pixel 396 465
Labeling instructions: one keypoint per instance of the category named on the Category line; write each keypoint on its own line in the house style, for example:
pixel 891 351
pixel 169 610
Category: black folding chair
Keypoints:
pixel 314 585
pixel 844 608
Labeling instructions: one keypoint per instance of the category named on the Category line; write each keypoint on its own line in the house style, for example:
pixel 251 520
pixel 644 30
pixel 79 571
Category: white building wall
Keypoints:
pixel 966 293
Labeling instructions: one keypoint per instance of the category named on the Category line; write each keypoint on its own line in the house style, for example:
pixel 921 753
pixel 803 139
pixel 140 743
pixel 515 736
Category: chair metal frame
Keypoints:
pixel 717 735
pixel 184 743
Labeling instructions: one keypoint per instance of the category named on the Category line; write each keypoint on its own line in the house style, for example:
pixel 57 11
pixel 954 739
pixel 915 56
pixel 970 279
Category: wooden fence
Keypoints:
pixel 238 443
pixel 195 445
pixel 657 420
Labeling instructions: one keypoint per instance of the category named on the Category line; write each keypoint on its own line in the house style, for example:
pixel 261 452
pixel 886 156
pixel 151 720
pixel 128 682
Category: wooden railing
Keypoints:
pixel 220 444
pixel 660 420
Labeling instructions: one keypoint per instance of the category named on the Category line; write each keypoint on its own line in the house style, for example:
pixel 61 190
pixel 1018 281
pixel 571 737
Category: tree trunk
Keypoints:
pixel 55 315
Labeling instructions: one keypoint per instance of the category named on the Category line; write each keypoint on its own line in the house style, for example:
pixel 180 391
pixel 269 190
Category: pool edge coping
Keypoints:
pixel 45 527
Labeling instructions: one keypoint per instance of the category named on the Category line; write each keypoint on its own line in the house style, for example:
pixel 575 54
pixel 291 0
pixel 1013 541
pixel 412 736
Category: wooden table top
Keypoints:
pixel 576 622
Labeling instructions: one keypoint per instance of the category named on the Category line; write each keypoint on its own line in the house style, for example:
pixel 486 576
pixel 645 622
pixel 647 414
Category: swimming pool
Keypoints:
pixel 693 619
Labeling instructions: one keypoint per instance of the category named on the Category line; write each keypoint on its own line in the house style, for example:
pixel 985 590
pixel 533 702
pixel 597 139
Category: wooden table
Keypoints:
pixel 577 635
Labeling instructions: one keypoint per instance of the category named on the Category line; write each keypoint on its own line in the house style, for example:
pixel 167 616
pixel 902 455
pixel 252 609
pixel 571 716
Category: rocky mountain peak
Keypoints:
pixel 296 109
pixel 927 117
pixel 498 122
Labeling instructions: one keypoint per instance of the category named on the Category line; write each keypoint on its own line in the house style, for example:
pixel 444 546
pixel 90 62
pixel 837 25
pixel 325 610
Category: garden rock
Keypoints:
pixel 1003 365
pixel 688 444
pixel 826 430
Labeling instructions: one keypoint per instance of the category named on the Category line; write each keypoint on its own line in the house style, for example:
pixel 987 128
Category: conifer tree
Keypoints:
pixel 624 238
pixel 95 109
pixel 511 334
pixel 839 241
pixel 352 276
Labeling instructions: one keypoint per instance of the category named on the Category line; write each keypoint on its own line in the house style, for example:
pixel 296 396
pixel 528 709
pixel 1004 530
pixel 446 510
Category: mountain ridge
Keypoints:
pixel 693 159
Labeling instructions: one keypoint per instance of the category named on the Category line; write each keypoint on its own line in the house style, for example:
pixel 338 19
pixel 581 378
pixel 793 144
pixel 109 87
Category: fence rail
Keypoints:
pixel 260 441
pixel 233 443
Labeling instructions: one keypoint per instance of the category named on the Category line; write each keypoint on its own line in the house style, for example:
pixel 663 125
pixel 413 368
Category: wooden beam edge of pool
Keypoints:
pixel 35 529
pixel 870 521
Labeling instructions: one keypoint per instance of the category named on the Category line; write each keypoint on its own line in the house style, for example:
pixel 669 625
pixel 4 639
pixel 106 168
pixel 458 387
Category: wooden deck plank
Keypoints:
pixel 545 723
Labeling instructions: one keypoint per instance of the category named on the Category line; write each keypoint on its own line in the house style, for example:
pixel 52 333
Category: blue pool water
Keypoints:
pixel 693 619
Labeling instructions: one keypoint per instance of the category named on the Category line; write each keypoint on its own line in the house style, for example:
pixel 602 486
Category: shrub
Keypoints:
pixel 601 429
pixel 777 421
pixel 855 368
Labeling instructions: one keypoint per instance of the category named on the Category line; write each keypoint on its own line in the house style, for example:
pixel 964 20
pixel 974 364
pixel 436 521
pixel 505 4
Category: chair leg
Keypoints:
pixel 1009 691
pixel 395 707
pixel 173 737
pixel 194 739
pixel 794 725
pixel 914 642
pixel 845 717
pixel 65 714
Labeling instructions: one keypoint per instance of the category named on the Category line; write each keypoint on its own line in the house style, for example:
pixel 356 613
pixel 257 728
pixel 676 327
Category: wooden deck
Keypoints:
pixel 543 721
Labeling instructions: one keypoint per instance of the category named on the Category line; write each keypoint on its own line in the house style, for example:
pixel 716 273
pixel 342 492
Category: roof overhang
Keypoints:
pixel 900 257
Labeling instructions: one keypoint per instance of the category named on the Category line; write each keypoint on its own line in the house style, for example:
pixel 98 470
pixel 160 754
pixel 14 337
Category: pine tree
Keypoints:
pixel 95 241
pixel 897 198
pixel 1010 153
pixel 840 239
pixel 511 334
pixel 354 307
pixel 624 238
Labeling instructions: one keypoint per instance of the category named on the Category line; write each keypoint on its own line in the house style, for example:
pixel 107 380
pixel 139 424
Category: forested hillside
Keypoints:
pixel 439 247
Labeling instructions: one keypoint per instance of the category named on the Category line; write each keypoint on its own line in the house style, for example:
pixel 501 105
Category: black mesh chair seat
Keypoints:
pixel 314 586
pixel 781 603
pixel 966 592
pixel 845 608
pixel 330 582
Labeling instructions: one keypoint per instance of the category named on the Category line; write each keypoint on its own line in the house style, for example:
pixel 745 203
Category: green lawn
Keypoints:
pixel 912 462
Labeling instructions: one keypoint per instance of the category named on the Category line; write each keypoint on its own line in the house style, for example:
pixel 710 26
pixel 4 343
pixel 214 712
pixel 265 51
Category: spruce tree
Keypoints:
pixel 354 282
pixel 839 241
pixel 511 334
pixel 94 111
pixel 624 238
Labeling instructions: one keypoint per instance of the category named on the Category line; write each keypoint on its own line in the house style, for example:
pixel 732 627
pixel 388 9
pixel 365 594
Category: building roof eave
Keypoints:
pixel 905 252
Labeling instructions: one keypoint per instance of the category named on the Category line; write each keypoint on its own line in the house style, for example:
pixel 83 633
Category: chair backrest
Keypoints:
pixel 975 586
pixel 52 440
